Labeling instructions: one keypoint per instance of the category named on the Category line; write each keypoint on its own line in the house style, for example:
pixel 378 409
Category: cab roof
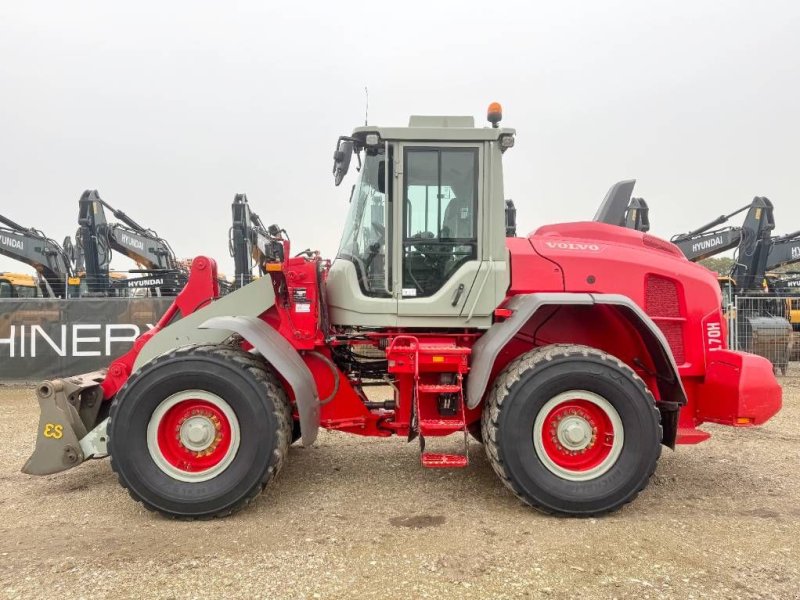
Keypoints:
pixel 435 128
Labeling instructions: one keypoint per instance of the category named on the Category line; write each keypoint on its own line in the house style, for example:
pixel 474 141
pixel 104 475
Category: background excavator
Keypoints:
pixel 46 256
pixel 97 238
pixel 706 241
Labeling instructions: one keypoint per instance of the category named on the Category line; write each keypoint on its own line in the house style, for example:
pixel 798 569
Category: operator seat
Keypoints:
pixel 457 221
pixel 457 224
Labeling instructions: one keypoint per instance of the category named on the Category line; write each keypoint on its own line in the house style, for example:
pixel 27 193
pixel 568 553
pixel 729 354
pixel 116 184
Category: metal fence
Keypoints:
pixel 760 324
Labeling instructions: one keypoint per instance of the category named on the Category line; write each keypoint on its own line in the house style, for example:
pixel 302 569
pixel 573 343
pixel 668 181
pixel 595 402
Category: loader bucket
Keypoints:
pixel 68 412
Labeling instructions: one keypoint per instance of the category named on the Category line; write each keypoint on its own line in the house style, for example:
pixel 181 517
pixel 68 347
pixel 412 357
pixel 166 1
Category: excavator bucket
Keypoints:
pixel 68 413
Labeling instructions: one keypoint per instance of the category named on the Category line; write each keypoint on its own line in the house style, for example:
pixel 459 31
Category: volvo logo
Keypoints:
pixel 573 246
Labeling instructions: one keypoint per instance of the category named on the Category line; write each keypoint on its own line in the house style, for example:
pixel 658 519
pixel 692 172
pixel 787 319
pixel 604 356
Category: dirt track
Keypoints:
pixel 358 518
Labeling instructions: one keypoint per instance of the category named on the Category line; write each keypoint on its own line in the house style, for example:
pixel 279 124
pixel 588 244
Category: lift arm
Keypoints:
pixel 32 247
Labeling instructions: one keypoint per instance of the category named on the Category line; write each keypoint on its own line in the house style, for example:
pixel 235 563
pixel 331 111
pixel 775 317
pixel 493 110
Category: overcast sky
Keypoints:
pixel 171 108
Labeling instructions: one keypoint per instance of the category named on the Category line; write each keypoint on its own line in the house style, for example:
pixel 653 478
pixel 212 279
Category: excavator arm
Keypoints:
pixel 241 245
pixel 705 242
pixel 784 250
pixel 751 256
pixel 251 242
pixel 32 247
pixel 98 237
pixel 637 216
pixel 705 245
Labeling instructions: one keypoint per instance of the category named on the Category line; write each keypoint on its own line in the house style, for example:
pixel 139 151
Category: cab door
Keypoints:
pixel 438 247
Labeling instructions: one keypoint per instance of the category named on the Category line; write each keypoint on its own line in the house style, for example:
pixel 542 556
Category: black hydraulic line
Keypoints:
pixel 13 225
pixel 718 221
pixel 118 214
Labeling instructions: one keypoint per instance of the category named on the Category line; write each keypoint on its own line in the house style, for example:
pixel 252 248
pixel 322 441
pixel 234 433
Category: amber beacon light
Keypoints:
pixel 494 114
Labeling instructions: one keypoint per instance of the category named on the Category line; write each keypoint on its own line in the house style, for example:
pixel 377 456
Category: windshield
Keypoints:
pixel 364 239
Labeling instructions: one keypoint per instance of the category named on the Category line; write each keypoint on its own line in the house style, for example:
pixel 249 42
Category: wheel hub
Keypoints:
pixel 575 433
pixel 200 432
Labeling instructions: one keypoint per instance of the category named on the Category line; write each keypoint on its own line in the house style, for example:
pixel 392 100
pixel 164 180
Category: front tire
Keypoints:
pixel 199 432
pixel 571 430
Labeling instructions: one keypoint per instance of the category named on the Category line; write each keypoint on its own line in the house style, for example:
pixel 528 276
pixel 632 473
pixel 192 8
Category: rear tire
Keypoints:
pixel 571 430
pixel 199 432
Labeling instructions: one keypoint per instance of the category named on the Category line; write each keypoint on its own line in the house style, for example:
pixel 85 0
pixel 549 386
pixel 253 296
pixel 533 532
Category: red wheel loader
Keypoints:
pixel 573 354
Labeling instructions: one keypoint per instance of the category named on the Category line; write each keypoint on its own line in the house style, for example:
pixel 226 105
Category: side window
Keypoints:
pixel 5 289
pixel 439 216
pixel 367 230
pixel 26 291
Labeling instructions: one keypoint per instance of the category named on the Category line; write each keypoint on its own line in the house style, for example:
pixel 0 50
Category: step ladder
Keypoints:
pixel 421 425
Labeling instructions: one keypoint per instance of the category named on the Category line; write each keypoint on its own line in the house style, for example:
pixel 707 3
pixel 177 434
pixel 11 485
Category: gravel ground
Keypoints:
pixel 358 518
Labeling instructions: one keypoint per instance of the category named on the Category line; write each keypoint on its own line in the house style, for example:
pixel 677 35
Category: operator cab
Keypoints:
pixel 436 257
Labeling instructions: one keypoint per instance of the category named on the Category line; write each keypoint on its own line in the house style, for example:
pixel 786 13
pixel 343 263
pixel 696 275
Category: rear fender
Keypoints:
pixel 671 392
pixel 279 353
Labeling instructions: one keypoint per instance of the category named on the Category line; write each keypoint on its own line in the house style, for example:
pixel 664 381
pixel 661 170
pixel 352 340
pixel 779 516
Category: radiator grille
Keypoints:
pixel 663 304
pixel 661 297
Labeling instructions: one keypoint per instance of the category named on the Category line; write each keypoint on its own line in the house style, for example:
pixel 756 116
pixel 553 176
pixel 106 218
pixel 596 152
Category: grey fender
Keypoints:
pixel 279 353
pixel 487 348
pixel 251 300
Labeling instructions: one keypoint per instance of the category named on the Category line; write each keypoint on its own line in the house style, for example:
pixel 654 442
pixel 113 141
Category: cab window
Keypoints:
pixel 439 216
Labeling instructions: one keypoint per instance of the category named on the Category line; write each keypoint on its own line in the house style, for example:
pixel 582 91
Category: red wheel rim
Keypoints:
pixel 180 455
pixel 193 435
pixel 578 435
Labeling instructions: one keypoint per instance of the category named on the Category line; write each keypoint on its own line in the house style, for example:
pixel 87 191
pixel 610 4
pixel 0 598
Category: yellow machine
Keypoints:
pixel 793 310
pixel 18 285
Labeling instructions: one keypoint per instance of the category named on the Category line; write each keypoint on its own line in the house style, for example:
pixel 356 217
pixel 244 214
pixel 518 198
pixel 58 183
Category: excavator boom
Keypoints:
pixel 46 256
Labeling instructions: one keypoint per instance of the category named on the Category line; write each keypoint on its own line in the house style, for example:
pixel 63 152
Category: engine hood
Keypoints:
pixel 596 257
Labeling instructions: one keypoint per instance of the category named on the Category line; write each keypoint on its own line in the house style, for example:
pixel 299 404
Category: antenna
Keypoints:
pixel 366 109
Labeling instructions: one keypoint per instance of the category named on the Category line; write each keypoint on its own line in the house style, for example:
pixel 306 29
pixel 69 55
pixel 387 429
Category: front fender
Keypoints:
pixel 254 299
pixel 279 353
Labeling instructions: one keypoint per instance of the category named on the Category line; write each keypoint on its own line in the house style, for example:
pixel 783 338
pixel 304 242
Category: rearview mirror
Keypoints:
pixel 341 159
